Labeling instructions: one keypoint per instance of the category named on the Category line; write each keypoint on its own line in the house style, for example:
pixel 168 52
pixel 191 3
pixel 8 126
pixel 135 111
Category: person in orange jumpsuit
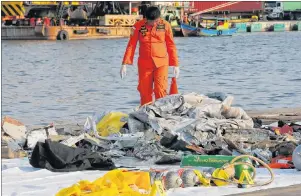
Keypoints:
pixel 156 53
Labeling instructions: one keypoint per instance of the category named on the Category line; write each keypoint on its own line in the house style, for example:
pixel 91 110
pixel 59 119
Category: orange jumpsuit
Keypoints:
pixel 157 51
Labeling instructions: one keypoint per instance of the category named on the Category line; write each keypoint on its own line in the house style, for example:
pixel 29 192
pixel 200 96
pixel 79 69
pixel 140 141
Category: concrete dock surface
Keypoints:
pixel 294 190
pixel 272 115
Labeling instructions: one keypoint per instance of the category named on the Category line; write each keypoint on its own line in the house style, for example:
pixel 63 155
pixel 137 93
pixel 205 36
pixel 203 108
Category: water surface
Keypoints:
pixel 45 81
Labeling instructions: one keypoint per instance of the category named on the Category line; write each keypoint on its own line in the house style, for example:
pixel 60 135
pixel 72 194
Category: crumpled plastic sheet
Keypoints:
pixel 153 151
pixel 194 118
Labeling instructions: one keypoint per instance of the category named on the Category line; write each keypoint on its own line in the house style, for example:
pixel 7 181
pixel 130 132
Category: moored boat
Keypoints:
pixel 189 31
pixel 219 27
pixel 215 32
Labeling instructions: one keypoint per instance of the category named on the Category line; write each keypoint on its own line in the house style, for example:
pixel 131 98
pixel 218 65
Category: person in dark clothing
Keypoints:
pixel 192 23
pixel 178 20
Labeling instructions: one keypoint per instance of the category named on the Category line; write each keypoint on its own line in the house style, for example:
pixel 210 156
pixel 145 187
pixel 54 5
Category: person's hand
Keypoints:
pixel 176 71
pixel 123 71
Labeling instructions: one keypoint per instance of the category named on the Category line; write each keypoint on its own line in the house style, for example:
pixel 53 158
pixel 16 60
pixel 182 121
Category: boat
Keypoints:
pixel 189 31
pixel 215 32
pixel 176 28
pixel 177 31
pixel 220 27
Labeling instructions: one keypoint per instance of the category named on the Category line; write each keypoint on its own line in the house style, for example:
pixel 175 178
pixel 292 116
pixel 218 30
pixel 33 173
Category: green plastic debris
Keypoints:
pixel 240 168
pixel 215 161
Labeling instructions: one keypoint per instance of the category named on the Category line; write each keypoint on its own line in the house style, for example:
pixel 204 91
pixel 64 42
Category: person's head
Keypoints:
pixel 152 14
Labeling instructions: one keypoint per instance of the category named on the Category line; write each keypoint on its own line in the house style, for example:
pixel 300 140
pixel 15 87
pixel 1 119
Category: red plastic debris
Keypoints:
pixel 282 162
pixel 283 130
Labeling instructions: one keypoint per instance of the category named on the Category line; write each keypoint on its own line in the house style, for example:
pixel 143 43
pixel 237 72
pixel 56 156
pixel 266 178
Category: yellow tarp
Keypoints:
pixel 114 183
pixel 111 123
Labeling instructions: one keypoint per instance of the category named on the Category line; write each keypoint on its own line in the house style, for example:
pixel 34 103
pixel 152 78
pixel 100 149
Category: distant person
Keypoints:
pixel 185 18
pixel 167 18
pixel 157 51
pixel 192 23
pixel 178 20
pixel 32 22
pixel 52 22
pixel 46 21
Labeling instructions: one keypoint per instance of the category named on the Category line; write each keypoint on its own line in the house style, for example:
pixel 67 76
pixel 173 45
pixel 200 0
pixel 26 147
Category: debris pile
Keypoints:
pixel 202 125
pixel 162 132
pixel 13 136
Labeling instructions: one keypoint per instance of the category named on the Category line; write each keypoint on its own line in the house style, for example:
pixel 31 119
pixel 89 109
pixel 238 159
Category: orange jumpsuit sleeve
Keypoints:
pixel 131 47
pixel 171 46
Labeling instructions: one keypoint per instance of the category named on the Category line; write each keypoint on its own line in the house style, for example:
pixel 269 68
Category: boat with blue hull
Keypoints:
pixel 215 32
pixel 219 28
pixel 189 31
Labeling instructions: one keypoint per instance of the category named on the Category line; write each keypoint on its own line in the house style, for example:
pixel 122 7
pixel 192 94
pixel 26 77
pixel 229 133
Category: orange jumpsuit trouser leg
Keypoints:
pixel 160 81
pixel 149 77
pixel 145 86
